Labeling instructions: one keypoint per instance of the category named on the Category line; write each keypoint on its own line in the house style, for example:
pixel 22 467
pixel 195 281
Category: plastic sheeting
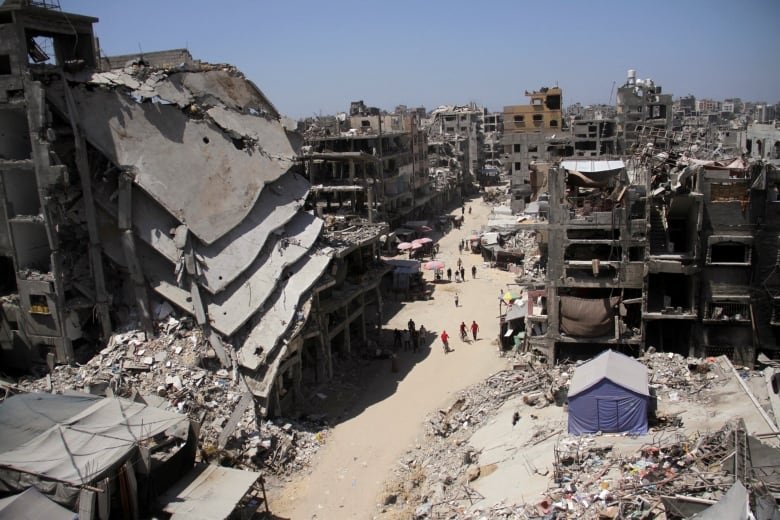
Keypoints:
pixel 32 505
pixel 608 407
pixel 588 318
pixel 83 447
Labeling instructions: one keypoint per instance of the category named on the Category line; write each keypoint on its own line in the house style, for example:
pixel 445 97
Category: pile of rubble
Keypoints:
pixel 178 370
pixel 588 480
pixel 432 480
pixel 663 477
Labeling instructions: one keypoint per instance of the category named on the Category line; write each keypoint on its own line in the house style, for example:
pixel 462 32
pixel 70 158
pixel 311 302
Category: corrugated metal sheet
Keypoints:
pixel 209 493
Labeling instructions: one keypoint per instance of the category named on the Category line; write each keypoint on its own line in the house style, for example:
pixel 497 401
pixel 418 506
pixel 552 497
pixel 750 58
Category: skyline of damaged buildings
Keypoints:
pixel 133 183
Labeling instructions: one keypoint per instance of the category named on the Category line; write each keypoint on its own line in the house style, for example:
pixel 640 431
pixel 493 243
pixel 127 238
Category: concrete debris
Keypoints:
pixel 589 477
pixel 177 370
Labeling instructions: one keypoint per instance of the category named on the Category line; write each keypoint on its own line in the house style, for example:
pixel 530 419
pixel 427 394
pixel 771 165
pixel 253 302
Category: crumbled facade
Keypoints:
pixel 641 106
pixel 128 188
pixel 462 127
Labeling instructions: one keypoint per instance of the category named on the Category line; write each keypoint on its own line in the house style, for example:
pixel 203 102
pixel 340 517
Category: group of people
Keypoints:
pixel 409 339
pixel 460 272
pixel 464 335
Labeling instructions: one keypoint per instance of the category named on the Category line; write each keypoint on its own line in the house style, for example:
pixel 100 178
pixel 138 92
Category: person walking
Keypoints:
pixel 456 299
pixel 463 273
pixel 410 324
pixel 460 248
pixel 473 271
pixel 464 334
pixel 396 339
pixel 445 341
pixel 469 210
pixel 474 329
pixel 449 274
pixel 408 341
pixel 460 263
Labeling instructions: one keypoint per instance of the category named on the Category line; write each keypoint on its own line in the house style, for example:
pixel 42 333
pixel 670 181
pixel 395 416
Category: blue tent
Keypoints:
pixel 609 393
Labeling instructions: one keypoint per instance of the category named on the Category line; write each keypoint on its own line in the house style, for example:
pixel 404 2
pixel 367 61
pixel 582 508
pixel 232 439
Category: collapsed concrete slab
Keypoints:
pixel 213 186
pixel 222 262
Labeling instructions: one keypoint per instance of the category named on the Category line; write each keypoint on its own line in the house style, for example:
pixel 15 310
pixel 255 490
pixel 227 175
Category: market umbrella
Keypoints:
pixel 403 246
pixel 424 229
pixel 416 245
pixel 423 240
pixel 433 265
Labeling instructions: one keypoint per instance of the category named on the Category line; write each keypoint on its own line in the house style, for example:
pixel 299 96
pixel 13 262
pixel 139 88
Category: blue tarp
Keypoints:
pixel 608 407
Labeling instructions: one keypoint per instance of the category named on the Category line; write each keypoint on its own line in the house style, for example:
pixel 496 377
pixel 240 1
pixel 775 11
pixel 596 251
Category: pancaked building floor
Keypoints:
pixel 152 228
pixel 183 178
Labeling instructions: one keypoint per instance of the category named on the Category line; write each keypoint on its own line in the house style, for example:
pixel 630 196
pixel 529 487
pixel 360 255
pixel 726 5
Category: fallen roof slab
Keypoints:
pixel 233 307
pixel 280 314
pixel 189 166
pixel 232 90
pixel 223 261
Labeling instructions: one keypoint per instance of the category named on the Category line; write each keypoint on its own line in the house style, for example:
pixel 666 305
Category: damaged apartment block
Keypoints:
pixel 596 242
pixel 367 173
pixel 164 181
pixel 663 251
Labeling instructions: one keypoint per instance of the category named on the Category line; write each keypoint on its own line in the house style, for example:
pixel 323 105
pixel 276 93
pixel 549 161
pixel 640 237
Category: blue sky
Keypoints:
pixel 312 57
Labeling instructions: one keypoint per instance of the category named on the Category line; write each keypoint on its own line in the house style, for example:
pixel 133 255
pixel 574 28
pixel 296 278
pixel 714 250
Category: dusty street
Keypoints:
pixel 350 470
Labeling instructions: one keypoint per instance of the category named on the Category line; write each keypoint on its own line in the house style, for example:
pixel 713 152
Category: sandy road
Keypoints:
pixel 351 468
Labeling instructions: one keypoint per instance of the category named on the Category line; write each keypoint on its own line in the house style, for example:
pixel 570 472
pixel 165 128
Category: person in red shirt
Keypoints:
pixel 445 341
pixel 474 329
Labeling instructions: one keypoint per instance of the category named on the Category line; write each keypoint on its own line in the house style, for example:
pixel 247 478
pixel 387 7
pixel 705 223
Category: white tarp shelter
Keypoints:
pixel 74 439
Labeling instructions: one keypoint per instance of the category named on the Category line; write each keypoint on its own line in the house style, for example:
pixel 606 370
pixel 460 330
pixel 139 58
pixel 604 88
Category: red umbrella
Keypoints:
pixel 433 265
pixel 403 246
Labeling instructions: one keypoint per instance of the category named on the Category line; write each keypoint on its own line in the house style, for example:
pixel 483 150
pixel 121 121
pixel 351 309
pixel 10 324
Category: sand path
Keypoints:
pixel 360 453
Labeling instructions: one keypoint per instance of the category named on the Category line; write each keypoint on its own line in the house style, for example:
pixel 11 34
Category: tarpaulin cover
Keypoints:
pixel 84 446
pixel 33 505
pixel 588 318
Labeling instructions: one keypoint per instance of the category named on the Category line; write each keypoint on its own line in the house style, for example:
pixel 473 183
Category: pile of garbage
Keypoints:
pixel 178 370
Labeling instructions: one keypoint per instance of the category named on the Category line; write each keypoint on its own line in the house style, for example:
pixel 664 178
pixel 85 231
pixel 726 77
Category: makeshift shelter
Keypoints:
pixel 609 393
pixel 66 444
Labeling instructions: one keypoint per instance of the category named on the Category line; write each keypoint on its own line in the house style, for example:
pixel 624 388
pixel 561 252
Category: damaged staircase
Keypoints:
pixel 658 233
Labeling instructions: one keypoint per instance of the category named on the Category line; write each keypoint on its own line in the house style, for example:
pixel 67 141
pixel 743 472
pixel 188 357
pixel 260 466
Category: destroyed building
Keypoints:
pixel 376 169
pixel 460 126
pixel 129 189
pixel 661 251
pixel 641 105
pixel 595 245
pixel 528 132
